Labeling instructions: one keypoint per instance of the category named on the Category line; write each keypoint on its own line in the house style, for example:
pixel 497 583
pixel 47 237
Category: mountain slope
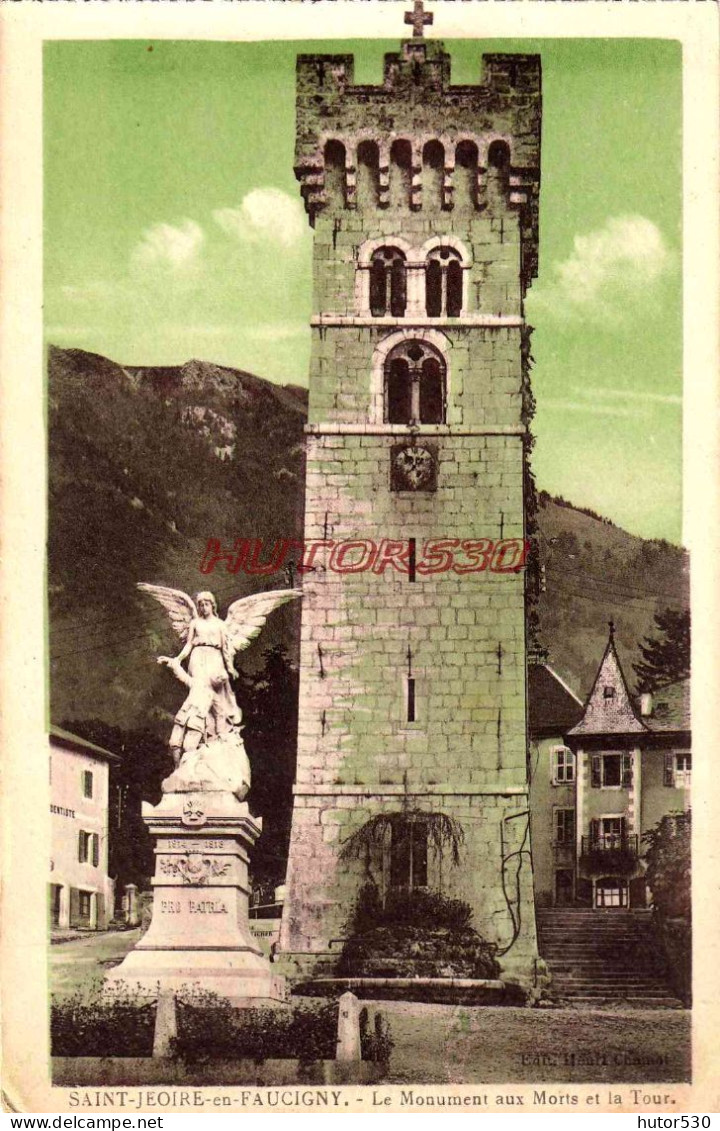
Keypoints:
pixel 147 464
pixel 595 572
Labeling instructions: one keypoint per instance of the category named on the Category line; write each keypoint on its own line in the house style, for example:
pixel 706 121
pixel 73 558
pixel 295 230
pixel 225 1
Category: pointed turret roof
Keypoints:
pixel 609 708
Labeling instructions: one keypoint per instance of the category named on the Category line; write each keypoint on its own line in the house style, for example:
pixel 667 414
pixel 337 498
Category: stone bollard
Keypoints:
pixel 348 1038
pixel 132 909
pixel 165 1023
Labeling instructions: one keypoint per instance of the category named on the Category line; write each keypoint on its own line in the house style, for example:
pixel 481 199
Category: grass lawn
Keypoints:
pixel 80 964
pixel 440 1044
pixel 444 1044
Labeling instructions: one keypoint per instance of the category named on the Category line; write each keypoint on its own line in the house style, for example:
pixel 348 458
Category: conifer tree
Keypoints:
pixel 665 656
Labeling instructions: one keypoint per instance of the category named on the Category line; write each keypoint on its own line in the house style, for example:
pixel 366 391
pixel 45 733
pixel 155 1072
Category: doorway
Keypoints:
pixel 611 892
pixel 55 904
pixel 564 884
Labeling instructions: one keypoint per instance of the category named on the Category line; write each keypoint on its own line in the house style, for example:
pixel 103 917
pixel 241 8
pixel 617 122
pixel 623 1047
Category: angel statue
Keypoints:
pixel 205 739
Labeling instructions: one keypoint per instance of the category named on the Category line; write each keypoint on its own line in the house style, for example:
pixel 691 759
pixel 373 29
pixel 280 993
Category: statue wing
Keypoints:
pixel 179 607
pixel 246 617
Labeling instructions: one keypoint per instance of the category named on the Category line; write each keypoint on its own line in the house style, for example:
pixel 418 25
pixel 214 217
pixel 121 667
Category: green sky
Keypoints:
pixel 173 230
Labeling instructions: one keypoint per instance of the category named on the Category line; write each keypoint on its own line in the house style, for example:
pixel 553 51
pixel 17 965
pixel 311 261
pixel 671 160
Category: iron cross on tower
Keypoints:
pixel 419 18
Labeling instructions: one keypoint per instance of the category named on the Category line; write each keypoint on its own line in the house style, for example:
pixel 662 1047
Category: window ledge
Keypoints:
pixel 419 320
pixel 332 427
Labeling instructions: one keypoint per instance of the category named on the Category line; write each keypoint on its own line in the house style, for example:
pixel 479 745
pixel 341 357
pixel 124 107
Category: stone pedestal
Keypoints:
pixel 199 934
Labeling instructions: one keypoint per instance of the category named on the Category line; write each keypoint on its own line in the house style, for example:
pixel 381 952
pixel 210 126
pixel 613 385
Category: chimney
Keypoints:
pixel 646 704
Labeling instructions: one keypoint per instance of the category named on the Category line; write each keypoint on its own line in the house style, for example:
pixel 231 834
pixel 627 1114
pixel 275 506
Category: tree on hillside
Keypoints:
pixel 666 656
pixel 269 701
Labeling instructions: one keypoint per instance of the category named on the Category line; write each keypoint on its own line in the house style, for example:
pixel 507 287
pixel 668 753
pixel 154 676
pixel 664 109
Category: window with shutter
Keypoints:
pixel 95 849
pixel 596 772
pixel 87 783
pixel 564 826
pixel 563 765
pixel 611 833
pixel 678 769
pixel 611 771
pixel 627 771
pixel 683 769
pixel 83 846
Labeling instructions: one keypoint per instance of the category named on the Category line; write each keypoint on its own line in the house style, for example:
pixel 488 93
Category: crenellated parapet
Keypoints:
pixel 418 144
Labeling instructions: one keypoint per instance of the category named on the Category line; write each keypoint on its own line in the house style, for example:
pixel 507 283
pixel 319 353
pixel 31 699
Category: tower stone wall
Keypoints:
pixel 413 677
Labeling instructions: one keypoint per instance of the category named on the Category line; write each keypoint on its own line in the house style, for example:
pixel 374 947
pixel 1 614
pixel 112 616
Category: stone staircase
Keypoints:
pixel 602 956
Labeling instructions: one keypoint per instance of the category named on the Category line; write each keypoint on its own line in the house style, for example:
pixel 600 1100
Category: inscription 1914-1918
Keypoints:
pixel 197 845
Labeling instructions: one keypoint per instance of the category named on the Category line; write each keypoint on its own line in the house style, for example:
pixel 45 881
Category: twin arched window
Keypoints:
pixel 415 385
pixel 388 283
pixel 442 273
pixel 443 283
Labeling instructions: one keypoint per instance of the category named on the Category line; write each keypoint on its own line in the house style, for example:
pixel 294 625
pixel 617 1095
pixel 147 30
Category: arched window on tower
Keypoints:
pixel 443 283
pixel 335 174
pixel 433 172
pixel 415 385
pixel 400 182
pixel 368 174
pixel 498 173
pixel 465 177
pixel 388 283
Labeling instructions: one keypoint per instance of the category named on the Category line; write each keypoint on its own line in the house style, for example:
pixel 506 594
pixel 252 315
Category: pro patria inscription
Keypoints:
pixel 194 907
pixel 207 907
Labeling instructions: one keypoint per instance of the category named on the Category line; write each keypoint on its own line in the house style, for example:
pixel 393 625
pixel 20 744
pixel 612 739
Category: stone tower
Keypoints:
pixel 424 201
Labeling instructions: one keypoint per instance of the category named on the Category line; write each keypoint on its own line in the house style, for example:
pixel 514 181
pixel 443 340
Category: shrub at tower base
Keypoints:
pixel 417 934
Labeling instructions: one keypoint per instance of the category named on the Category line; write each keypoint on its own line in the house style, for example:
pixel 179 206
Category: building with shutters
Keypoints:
pixel 601 781
pixel 81 891
pixel 553 708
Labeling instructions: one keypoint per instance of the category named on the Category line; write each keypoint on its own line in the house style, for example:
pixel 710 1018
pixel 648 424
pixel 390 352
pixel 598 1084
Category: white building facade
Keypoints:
pixel 81 891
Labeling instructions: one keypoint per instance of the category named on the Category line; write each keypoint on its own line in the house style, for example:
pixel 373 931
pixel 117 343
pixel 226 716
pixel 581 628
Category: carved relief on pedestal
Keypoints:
pixel 194 868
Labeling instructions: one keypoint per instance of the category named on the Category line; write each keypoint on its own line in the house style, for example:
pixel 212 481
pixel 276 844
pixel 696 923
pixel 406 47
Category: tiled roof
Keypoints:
pixel 552 706
pixel 609 709
pixel 65 738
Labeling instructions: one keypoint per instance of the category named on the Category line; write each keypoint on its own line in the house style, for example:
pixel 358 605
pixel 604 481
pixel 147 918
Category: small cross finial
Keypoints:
pixel 611 624
pixel 419 18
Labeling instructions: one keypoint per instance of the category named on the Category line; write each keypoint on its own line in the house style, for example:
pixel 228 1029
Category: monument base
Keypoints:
pixel 199 936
